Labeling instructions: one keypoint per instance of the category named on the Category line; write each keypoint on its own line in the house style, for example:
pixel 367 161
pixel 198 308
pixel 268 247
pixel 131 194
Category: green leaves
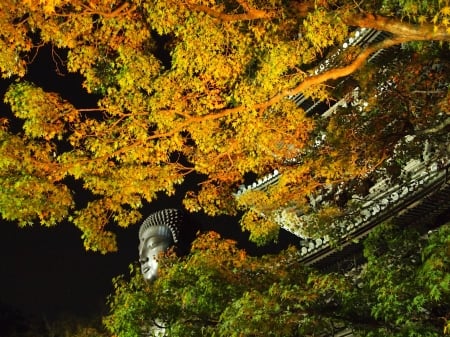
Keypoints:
pixel 131 305
pixel 31 187
pixel 435 272
pixel 45 114
pixel 404 289
pixel 218 290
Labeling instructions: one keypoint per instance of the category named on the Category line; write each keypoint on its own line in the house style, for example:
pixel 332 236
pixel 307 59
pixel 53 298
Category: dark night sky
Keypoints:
pixel 46 271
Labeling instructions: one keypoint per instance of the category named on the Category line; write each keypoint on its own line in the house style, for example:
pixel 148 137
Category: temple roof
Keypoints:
pixel 419 197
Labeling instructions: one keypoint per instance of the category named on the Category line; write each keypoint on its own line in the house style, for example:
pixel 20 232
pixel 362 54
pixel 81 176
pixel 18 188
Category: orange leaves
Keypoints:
pixel 211 241
pixel 262 228
pixel 221 255
pixel 48 6
pixel 214 198
pixel 14 40
pixel 91 221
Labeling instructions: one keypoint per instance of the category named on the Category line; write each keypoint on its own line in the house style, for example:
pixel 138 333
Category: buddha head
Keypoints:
pixel 157 233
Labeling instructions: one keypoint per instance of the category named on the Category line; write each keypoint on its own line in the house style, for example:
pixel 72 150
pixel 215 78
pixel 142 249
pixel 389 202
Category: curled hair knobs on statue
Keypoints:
pixel 157 233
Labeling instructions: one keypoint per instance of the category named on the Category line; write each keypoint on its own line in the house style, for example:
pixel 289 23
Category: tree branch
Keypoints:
pixel 308 82
pixel 403 32
pixel 428 92
pixel 434 129
pixel 303 8
pixel 343 71
pixel 412 32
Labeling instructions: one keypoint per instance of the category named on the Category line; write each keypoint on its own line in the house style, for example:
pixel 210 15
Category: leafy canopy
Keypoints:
pixel 182 86
pixel 218 290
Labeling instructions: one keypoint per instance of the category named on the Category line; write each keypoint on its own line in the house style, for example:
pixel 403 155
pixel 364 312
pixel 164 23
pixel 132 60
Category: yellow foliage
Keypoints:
pixel 262 229
pixel 182 86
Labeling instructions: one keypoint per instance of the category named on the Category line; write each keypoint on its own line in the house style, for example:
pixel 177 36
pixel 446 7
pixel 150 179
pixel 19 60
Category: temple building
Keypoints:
pixel 417 195
pixel 420 193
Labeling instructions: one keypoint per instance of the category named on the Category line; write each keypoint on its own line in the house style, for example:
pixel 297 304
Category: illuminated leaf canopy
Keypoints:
pixel 183 86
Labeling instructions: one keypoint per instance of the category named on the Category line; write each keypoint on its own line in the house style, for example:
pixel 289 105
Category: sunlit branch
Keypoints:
pixel 307 83
pixel 411 32
pixel 403 32
pixel 123 9
pixel 91 110
pixel 435 129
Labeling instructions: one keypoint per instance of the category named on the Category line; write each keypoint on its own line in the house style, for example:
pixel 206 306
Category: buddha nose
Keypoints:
pixel 143 260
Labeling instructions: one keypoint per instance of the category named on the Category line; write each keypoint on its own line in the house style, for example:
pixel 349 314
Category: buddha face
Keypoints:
pixel 153 242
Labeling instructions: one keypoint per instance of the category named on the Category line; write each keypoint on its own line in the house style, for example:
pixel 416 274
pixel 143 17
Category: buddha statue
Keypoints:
pixel 157 233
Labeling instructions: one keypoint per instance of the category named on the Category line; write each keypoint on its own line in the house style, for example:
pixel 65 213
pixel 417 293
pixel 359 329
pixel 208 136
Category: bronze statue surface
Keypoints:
pixel 157 233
